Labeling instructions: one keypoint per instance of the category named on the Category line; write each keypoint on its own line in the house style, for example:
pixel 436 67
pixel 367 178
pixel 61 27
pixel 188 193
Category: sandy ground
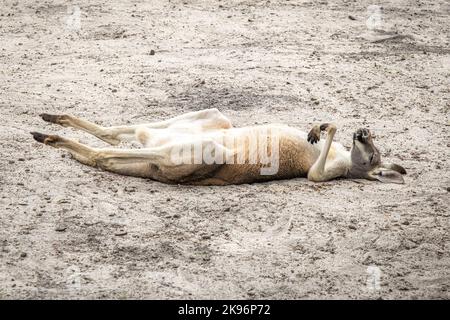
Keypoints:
pixel 68 230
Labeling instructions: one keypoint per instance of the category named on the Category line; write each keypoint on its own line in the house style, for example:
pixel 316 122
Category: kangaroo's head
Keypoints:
pixel 366 161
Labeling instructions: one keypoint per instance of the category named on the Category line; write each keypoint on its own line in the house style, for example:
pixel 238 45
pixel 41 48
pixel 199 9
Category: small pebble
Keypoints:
pixel 152 52
pixel 60 228
pixel 120 233
pixel 130 189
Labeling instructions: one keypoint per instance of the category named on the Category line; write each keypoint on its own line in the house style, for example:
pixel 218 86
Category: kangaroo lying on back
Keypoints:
pixel 203 148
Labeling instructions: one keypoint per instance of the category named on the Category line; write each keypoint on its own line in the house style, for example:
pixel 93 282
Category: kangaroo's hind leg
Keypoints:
pixel 80 152
pixel 170 163
pixel 112 135
pixel 132 162
pixel 209 118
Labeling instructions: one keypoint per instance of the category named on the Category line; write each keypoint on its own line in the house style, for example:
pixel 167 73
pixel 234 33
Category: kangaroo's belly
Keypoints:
pixel 264 153
pixel 254 154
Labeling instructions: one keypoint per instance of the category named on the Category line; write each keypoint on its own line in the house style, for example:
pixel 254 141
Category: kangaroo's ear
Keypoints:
pixel 387 176
pixel 394 167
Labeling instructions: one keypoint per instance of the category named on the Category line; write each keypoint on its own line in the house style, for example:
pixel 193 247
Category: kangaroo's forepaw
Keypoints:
pixel 314 135
pixel 45 138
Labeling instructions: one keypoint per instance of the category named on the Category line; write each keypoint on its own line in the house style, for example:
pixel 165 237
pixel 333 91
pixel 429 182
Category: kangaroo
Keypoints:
pixel 203 148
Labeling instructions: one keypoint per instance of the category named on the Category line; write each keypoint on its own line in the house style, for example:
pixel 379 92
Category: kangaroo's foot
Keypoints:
pixel 55 118
pixel 46 139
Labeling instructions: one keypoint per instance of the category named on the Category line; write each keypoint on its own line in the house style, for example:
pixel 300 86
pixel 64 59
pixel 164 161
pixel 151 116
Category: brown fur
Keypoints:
pixel 296 158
